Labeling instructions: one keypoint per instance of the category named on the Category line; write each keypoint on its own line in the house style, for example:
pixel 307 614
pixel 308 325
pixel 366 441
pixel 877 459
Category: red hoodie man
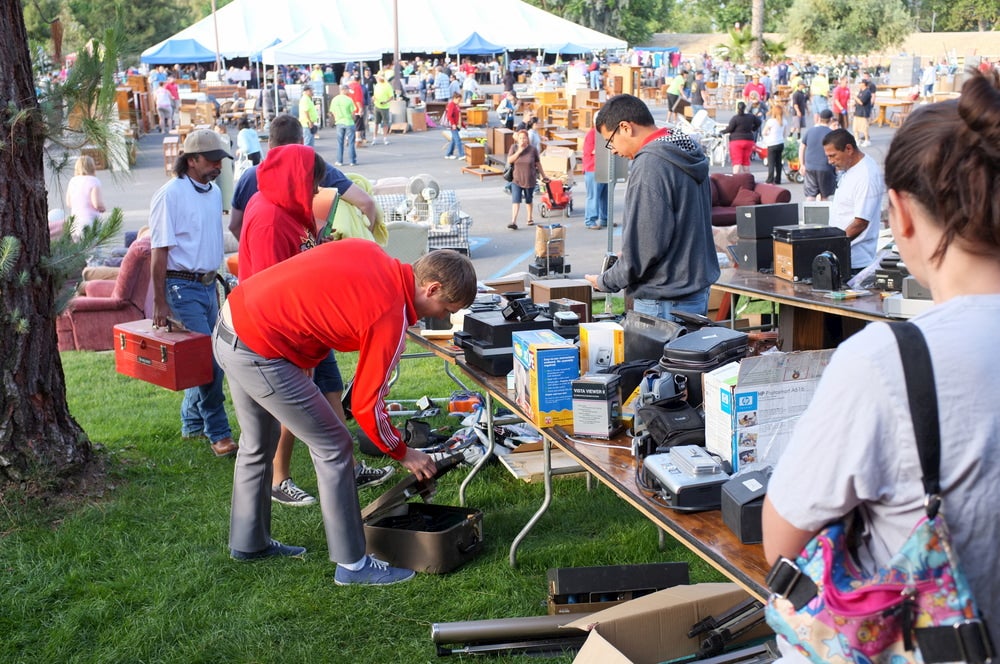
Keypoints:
pixel 278 222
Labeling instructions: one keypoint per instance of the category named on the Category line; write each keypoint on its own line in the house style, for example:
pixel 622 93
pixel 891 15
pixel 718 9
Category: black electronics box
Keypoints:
pixel 422 536
pixel 742 501
pixel 755 255
pixel 566 304
pixel 890 273
pixel 758 221
pixel 795 247
pixel 697 353
pixel 487 339
pixel 646 335
pixel 590 589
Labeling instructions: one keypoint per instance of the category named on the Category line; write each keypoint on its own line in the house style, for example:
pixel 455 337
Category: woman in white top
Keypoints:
pixel 83 196
pixel 774 139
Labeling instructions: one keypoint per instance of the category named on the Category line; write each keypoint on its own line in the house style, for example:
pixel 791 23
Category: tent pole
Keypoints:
pixel 397 69
pixel 218 57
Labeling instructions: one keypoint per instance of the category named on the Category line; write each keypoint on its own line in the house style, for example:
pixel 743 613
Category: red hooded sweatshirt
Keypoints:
pixel 278 222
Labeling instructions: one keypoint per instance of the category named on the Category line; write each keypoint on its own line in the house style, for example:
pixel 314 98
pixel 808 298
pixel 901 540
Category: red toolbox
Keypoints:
pixel 174 360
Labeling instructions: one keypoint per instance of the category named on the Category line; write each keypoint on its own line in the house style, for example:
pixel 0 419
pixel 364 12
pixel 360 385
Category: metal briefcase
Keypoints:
pixel 422 536
pixel 174 360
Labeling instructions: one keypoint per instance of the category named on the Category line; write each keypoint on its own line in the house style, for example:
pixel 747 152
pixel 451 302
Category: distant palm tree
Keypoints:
pixel 742 41
pixel 774 50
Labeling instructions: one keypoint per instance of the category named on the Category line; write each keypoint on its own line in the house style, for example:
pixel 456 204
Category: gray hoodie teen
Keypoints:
pixel 668 252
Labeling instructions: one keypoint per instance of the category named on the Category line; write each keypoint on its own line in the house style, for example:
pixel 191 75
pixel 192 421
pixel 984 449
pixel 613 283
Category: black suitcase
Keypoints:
pixel 701 351
pixel 645 335
pixel 422 536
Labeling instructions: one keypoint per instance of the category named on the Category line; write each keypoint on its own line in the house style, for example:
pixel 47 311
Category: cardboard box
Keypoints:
pixel 597 405
pixel 654 628
pixel 751 406
pixel 601 345
pixel 544 290
pixel 545 366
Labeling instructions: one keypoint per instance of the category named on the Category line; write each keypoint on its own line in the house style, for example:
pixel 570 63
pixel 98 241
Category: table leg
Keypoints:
pixel 547 474
pixel 486 455
pixel 454 378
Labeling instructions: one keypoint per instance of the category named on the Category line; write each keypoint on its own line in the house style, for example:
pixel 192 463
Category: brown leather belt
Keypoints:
pixel 205 278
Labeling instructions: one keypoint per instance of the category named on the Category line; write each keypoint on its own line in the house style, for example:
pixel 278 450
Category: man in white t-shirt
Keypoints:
pixel 185 219
pixel 857 205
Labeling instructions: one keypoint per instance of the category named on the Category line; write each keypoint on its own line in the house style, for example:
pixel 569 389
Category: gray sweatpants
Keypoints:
pixel 268 393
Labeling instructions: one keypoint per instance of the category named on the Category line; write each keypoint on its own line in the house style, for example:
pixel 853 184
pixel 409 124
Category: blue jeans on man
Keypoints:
pixel 596 213
pixel 203 409
pixel 345 136
pixel 696 303
pixel 308 138
pixel 455 146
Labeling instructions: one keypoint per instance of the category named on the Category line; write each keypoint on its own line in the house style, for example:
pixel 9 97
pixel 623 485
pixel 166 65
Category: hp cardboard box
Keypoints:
pixel 545 366
pixel 654 628
pixel 751 406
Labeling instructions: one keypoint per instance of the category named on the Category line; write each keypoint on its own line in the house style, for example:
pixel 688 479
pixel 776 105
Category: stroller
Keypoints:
pixel 556 195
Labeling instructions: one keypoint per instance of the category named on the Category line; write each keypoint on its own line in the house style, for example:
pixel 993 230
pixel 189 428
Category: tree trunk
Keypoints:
pixel 39 439
pixel 757 32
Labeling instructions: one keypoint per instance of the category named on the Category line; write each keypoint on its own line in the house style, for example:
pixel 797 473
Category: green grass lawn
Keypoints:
pixel 142 573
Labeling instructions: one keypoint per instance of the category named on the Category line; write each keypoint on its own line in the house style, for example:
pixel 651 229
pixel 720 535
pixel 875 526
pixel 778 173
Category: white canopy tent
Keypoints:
pixel 246 27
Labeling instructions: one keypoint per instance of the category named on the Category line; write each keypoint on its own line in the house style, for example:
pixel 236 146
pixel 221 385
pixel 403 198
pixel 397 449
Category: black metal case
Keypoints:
pixel 422 536
pixel 701 351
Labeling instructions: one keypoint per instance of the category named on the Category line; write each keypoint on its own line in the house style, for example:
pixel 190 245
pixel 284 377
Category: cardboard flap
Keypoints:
pixel 597 650
pixel 653 628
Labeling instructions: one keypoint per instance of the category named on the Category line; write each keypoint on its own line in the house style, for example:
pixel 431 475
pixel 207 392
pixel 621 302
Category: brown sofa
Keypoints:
pixel 726 196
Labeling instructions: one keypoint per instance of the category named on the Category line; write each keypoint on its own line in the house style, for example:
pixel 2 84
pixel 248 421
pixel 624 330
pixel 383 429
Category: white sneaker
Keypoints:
pixel 385 141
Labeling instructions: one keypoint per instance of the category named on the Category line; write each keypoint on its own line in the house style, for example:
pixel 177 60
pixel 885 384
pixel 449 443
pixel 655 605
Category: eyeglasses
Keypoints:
pixel 611 138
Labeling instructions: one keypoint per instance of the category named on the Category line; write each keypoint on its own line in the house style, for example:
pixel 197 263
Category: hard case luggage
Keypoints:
pixel 174 360
pixel 422 536
pixel 701 351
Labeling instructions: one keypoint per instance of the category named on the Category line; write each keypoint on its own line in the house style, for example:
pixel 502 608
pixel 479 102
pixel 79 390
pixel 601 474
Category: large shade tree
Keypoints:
pixel 841 27
pixel 39 439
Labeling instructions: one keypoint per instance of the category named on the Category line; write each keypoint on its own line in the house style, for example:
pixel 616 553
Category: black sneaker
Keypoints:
pixel 287 493
pixel 365 475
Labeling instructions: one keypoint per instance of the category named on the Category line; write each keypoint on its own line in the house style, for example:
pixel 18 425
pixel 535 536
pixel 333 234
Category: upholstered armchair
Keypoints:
pixel 88 320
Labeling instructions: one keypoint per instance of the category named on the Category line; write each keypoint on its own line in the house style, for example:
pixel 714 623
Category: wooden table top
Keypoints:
pixel 770 287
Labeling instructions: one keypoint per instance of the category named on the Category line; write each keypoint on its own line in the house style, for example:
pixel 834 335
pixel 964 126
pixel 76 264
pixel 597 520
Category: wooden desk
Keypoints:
pixel 702 532
pixel 804 321
pixel 891 88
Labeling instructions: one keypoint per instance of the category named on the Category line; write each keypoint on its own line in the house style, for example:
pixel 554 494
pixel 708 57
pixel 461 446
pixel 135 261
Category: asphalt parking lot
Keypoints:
pixel 496 250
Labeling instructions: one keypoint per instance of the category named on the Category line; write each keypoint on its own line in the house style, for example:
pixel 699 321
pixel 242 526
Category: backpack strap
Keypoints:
pixel 918 372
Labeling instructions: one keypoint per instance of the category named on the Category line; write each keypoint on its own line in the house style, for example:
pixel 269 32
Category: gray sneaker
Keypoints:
pixel 375 573
pixel 275 548
pixel 287 493
pixel 365 475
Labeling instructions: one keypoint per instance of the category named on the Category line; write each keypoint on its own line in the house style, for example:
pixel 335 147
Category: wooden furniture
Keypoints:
pixel 475 154
pixel 624 79
pixel 171 150
pixel 885 105
pixel 807 320
pixel 477 116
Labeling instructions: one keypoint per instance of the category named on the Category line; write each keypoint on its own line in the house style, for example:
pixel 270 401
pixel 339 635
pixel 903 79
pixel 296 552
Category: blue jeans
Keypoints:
pixel 692 304
pixel 345 135
pixel 308 138
pixel 456 144
pixel 595 79
pixel 203 408
pixel 597 201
